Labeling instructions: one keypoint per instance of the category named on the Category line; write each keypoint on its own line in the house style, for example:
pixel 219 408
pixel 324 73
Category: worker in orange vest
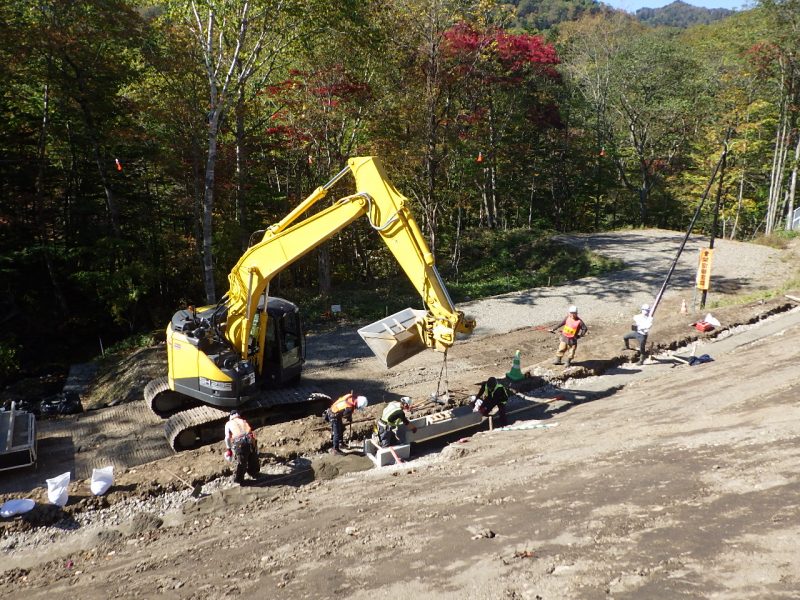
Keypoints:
pixel 572 328
pixel 341 409
pixel 242 447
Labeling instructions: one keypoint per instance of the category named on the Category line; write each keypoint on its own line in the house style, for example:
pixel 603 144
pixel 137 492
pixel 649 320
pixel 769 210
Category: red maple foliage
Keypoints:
pixel 514 54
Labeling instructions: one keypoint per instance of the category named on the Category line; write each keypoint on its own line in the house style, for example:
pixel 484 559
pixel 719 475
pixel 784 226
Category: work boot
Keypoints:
pixel 641 361
pixel 568 363
pixel 336 452
pixel 557 360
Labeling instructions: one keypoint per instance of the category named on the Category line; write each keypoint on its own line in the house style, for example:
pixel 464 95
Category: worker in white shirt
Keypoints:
pixel 639 330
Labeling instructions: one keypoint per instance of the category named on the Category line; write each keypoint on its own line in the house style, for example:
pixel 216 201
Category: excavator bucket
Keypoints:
pixel 396 338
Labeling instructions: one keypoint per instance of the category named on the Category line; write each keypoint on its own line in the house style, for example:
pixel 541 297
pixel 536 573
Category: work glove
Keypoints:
pixel 229 455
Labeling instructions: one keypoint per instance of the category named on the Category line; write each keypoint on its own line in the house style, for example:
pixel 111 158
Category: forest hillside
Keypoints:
pixel 142 146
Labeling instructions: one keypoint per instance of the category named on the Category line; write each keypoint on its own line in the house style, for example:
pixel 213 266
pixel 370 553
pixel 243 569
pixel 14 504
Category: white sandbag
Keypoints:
pixel 101 480
pixel 17 506
pixel 58 489
pixel 711 320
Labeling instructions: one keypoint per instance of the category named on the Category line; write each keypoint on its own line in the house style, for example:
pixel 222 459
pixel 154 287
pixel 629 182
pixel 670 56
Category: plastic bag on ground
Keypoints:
pixel 17 506
pixel 57 489
pixel 711 320
pixel 102 479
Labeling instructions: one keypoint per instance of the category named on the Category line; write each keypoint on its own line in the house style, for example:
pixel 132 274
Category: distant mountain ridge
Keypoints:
pixel 680 14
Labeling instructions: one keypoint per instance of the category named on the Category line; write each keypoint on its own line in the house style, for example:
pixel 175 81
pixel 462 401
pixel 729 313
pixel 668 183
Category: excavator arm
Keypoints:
pixel 393 339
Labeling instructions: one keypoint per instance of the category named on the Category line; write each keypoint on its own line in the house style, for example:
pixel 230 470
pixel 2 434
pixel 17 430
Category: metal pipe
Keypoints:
pixel 689 231
pixel 336 178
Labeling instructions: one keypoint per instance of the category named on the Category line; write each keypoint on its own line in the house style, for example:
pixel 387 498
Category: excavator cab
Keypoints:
pixel 285 344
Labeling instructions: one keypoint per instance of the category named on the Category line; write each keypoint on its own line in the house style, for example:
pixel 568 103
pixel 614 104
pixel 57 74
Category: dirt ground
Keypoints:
pixel 661 481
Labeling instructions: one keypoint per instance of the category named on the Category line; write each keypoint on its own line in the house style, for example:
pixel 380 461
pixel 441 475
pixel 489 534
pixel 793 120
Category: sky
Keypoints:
pixel 634 5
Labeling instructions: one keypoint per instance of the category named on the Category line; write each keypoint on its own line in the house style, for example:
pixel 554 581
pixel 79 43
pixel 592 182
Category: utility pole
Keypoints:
pixel 716 213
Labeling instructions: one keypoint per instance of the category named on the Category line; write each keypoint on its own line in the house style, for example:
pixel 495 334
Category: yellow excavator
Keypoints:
pixel 246 351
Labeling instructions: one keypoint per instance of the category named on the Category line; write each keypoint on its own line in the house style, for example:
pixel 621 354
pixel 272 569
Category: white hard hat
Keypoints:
pixel 645 307
pixel 361 402
pixel 405 401
pixel 572 309
pixel 234 414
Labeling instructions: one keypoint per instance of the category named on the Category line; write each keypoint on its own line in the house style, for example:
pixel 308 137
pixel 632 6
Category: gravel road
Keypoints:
pixel 647 254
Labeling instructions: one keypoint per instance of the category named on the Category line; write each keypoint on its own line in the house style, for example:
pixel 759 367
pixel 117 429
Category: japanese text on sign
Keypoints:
pixel 704 269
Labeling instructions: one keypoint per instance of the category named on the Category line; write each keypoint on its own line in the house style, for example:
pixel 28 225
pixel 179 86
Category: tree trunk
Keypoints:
pixel 776 177
pixel 492 170
pixel 739 199
pixel 39 199
pixel 241 175
pixel 324 269
pixel 793 185
pixel 208 208
pixel 111 203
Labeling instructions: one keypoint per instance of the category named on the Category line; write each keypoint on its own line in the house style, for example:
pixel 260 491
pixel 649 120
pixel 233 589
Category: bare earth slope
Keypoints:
pixel 675 482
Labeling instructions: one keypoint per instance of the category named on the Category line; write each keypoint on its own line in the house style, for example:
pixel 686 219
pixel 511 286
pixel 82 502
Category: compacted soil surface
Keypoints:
pixel 617 481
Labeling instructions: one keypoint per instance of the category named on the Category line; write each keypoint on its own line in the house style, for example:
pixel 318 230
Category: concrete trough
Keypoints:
pixel 440 424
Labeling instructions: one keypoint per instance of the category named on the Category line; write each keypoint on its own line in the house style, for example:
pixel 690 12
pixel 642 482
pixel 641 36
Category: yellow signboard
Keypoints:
pixel 704 269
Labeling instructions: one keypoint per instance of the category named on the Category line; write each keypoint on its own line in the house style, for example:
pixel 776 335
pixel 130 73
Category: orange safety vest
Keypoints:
pixel 239 427
pixel 571 327
pixel 343 403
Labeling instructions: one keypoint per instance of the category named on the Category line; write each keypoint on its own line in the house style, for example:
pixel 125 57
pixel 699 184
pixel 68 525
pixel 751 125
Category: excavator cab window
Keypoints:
pixel 292 351
pixel 284 345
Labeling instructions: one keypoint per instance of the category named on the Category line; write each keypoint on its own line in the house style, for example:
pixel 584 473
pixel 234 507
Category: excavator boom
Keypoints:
pixel 393 339
pixel 226 356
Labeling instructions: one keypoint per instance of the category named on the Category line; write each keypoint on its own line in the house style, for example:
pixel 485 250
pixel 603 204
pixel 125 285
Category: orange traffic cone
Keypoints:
pixel 683 307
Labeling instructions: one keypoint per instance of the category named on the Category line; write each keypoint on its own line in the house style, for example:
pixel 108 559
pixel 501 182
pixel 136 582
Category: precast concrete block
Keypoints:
pixel 383 456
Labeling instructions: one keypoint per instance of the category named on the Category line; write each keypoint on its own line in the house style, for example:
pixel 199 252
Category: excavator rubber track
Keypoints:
pixel 163 401
pixel 206 424
pixel 185 429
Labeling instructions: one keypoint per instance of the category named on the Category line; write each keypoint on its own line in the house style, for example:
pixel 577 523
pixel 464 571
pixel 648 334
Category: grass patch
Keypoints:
pixel 128 345
pixel 495 263
pixel 788 286
pixel 777 239
pixel 492 263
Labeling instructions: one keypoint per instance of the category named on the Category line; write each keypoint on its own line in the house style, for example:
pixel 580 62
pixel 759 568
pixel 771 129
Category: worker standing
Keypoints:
pixel 341 409
pixel 393 416
pixel 492 393
pixel 639 331
pixel 572 328
pixel 242 447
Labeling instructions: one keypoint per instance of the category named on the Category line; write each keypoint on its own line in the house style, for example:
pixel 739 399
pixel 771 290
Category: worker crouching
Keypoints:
pixel 492 393
pixel 393 416
pixel 242 447
pixel 341 409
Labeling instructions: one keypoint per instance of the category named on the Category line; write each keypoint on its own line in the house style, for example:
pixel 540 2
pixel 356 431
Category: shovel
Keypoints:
pixel 196 489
